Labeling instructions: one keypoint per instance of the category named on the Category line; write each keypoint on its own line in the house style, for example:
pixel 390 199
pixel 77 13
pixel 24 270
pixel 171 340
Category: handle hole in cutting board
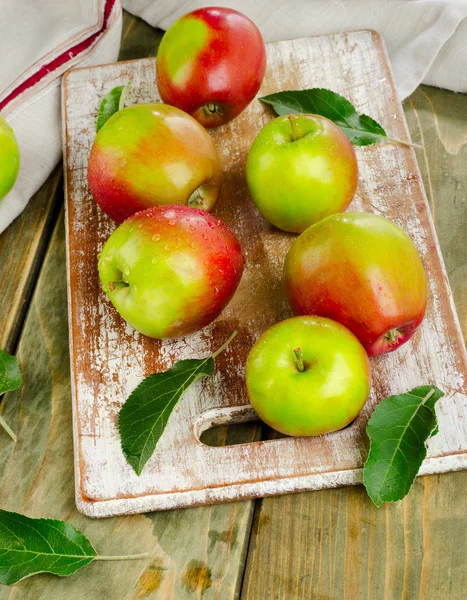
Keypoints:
pixel 237 425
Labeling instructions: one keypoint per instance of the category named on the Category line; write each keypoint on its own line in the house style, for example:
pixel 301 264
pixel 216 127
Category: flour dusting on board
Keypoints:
pixel 109 359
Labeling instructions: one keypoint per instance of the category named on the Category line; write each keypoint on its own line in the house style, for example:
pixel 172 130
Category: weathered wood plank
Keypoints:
pixel 192 552
pixel 336 544
pixel 22 247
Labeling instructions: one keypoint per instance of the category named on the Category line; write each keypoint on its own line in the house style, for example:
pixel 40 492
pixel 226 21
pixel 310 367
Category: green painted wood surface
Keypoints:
pixel 22 247
pixel 327 545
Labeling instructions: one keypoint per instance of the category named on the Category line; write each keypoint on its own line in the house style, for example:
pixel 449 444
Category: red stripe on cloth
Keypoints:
pixel 60 60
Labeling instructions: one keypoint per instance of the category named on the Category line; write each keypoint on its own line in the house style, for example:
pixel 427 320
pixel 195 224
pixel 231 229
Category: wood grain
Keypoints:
pixel 22 247
pixel 342 546
pixel 109 359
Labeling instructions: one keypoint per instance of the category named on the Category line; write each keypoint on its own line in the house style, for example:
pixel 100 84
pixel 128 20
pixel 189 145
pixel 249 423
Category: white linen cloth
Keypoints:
pixel 41 39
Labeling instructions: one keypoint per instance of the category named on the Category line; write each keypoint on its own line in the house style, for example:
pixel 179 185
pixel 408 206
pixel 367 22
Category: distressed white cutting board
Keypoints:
pixel 108 358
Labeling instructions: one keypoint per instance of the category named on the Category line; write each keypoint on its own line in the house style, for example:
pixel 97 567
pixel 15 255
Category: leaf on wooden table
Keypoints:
pixel 145 414
pixel 398 430
pixel 30 546
pixel 10 379
pixel 10 373
pixel 111 103
pixel 360 129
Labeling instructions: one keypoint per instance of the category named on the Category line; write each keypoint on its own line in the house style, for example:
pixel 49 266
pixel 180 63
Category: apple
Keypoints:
pixel 150 155
pixel 362 271
pixel 9 158
pixel 170 270
pixel 300 169
pixel 307 376
pixel 210 63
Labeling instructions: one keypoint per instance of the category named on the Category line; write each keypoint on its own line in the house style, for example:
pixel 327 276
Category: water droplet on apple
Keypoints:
pixel 216 291
pixel 211 224
pixel 172 222
pixel 192 227
pixel 205 237
pixel 156 237
pixel 221 271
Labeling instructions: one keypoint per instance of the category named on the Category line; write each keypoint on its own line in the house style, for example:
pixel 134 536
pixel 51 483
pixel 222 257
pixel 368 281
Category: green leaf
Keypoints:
pixel 361 129
pixel 30 546
pixel 112 103
pixel 10 379
pixel 10 374
pixel 145 414
pixel 398 430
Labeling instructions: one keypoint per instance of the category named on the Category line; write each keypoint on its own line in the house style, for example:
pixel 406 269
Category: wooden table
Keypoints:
pixel 328 545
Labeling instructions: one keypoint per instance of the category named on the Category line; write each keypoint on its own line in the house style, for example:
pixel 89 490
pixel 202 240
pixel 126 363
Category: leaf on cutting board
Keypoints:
pixel 111 103
pixel 30 546
pixel 361 129
pixel 10 379
pixel 145 414
pixel 398 430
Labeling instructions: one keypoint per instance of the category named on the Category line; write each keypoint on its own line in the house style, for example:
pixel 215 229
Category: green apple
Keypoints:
pixel 307 376
pixel 300 169
pixel 9 158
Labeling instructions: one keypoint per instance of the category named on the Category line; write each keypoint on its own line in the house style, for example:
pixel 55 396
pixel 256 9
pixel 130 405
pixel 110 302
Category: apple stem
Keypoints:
pixel 295 132
pixel 392 336
pixel 212 109
pixel 224 345
pixel 299 360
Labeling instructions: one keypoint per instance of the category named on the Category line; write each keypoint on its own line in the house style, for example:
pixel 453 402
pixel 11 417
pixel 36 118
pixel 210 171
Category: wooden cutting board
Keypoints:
pixel 108 358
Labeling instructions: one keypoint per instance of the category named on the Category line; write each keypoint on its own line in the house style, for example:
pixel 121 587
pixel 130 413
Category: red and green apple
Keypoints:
pixel 151 155
pixel 9 158
pixel 300 169
pixel 170 270
pixel 211 63
pixel 307 376
pixel 362 271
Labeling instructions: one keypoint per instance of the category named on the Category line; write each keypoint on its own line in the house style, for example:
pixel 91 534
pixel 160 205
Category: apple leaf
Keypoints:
pixel 145 414
pixel 398 430
pixel 10 379
pixel 111 103
pixel 360 129
pixel 30 546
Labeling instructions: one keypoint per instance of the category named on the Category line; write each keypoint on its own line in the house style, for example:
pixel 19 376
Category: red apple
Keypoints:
pixel 170 270
pixel 211 63
pixel 149 155
pixel 362 271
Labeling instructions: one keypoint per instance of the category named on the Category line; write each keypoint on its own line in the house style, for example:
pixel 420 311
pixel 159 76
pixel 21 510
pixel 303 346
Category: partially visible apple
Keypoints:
pixel 9 158
pixel 150 155
pixel 211 63
pixel 363 271
pixel 300 169
pixel 170 270
pixel 307 376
